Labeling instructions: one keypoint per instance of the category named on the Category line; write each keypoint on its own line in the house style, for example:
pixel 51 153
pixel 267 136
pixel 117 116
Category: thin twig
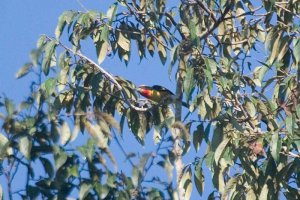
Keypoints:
pixel 122 148
pixel 217 23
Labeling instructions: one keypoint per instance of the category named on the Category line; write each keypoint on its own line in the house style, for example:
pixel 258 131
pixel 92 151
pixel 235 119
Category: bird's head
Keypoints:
pixel 145 91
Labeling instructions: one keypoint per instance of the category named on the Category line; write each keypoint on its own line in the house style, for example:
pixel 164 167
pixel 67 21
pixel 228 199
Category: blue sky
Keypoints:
pixel 22 22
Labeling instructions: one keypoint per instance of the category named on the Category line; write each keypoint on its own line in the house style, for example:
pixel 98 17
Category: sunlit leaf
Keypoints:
pixel 24 70
pixel 65 133
pixel 84 190
pixel 49 54
pixel 111 13
pixel 220 149
pixel 185 182
pixel 65 18
pixel 25 145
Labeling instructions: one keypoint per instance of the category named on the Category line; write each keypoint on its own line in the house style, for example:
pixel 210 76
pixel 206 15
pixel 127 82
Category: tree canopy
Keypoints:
pixel 236 65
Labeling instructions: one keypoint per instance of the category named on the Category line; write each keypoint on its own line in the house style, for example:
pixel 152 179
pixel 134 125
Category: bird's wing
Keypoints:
pixel 161 88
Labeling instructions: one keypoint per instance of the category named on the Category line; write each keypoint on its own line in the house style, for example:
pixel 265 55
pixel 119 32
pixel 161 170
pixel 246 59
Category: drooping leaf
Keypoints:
pixel 199 178
pixel 65 133
pixel 220 149
pixel 24 70
pixel 65 18
pixel 49 56
pixel 84 190
pixel 25 145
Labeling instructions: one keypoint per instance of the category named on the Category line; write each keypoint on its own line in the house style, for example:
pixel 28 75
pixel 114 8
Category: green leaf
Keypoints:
pixel 60 159
pixel 284 46
pixel 65 18
pixel 4 147
pixel 101 49
pixel 220 149
pixel 47 166
pixel 290 121
pixel 65 133
pixel 24 70
pixel 189 83
pixel 275 146
pixel 198 136
pixel 199 178
pixel 41 41
pixel 210 66
pixel 150 43
pixel 84 190
pixel 185 182
pixel 162 52
pixel 258 74
pixel 296 51
pixel 9 106
pixel 250 107
pixel 102 190
pixel 111 13
pixel 25 146
pixel 50 85
pixel 156 134
pixel 123 41
pixel 48 60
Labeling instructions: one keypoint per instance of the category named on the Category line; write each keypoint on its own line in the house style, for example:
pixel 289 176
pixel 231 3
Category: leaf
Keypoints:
pixel 101 49
pixel 258 74
pixel 4 147
pixel 123 41
pixel 284 46
pixel 275 146
pixel 162 52
pixel 9 106
pixel 199 178
pixel 49 54
pixel 65 133
pixel 189 83
pixel 296 51
pixel 198 136
pixel 96 132
pixel 264 192
pixel 60 159
pixel 220 149
pixel 25 146
pixel 150 43
pixel 290 121
pixel 50 85
pixel 65 18
pixel 24 70
pixel 208 73
pixel 275 41
pixel 156 134
pixel 41 41
pixel 250 107
pixel 240 11
pixel 84 190
pixel 102 190
pixel 62 79
pixel 185 182
pixel 47 166
pixel 111 13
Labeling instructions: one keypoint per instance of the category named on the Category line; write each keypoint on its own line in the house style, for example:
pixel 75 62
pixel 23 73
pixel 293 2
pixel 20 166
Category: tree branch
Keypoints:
pixel 109 76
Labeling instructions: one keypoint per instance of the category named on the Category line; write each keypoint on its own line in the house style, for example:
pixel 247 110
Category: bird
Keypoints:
pixel 157 94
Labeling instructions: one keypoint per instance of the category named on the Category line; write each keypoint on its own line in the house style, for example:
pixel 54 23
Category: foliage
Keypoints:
pixel 237 64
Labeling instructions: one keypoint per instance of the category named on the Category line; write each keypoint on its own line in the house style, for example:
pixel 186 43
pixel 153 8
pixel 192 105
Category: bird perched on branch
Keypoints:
pixel 158 94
